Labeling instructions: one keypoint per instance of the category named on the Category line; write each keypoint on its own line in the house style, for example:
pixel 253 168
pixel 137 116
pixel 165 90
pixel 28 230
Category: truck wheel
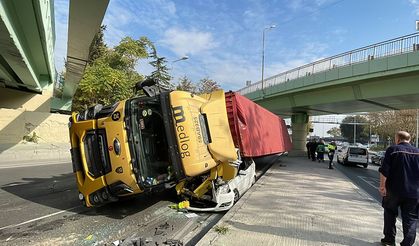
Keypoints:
pixel 365 165
pixel 236 195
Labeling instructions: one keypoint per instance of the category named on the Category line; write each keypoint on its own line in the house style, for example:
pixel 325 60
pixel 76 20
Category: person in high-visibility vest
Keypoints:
pixel 331 153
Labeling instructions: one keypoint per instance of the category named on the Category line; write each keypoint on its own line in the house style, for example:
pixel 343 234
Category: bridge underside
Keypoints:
pixel 390 89
pixel 26 45
pixel 381 95
pixel 390 83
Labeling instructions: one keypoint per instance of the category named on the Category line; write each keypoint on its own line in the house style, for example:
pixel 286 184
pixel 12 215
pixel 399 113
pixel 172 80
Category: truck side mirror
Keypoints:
pixel 148 86
pixel 147 82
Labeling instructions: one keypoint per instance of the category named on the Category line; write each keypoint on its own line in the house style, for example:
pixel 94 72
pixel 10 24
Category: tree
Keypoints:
pixel 387 123
pixel 97 47
pixel 111 76
pixel 335 132
pixel 161 72
pixel 347 128
pixel 185 84
pixel 207 85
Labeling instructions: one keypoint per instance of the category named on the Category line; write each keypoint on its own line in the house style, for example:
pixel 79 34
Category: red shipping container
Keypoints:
pixel 255 130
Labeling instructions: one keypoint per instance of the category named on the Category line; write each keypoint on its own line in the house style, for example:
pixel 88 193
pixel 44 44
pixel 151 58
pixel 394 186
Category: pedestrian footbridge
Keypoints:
pixel 378 77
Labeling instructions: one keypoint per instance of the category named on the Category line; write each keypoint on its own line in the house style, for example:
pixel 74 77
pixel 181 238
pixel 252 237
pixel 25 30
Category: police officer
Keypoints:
pixel 331 153
pixel 399 187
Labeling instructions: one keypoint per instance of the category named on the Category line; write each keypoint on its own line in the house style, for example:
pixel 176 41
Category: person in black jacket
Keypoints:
pixel 313 148
pixel 399 187
pixel 308 144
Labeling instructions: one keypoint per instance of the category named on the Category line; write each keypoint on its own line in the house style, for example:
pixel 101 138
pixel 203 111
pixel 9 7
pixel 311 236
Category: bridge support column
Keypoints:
pixel 299 123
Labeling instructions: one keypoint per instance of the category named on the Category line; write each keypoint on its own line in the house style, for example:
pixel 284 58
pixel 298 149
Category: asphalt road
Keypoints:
pixel 366 178
pixel 39 205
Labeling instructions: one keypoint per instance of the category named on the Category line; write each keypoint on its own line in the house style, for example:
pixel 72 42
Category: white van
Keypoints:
pixel 353 155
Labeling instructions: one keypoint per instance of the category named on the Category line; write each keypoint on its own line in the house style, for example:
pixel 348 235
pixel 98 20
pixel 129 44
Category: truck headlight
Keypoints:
pixel 117 146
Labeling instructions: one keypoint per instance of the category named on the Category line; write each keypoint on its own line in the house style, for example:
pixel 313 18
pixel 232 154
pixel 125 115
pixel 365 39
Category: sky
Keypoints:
pixel 223 39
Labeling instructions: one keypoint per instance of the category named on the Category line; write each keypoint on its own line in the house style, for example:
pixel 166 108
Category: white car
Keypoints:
pixel 225 196
pixel 353 155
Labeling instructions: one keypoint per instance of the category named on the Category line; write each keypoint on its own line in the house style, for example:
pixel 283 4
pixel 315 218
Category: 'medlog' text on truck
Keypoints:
pixel 196 143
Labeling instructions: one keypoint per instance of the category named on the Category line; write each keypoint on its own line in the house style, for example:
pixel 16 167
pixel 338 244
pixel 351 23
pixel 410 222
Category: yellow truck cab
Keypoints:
pixel 152 143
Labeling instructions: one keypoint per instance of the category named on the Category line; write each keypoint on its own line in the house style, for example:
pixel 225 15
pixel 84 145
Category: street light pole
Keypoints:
pixel 263 53
pixel 181 59
pixel 354 130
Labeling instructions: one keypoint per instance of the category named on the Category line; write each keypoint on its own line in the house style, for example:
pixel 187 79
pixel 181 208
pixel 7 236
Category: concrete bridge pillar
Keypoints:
pixel 299 123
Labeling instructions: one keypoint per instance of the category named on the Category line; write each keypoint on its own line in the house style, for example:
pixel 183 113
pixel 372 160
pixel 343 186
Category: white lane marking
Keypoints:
pixel 39 218
pixel 16 165
pixel 370 182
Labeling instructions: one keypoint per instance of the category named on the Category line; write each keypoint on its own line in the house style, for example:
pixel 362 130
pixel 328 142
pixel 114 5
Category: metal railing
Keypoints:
pixel 404 44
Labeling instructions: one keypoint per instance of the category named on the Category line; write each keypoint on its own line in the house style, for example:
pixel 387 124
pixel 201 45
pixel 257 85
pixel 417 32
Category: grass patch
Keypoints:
pixel 221 229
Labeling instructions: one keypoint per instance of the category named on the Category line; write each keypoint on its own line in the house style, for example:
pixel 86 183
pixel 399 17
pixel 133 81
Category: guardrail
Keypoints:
pixel 397 46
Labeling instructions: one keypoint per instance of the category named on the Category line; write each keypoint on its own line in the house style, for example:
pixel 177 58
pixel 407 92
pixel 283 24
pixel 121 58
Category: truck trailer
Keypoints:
pixel 164 139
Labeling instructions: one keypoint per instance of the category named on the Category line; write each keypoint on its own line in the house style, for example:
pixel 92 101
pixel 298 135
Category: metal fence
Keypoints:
pixel 397 46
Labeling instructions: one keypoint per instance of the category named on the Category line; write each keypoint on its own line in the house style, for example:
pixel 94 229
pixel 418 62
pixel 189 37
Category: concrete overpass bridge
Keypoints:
pixel 27 69
pixel 378 77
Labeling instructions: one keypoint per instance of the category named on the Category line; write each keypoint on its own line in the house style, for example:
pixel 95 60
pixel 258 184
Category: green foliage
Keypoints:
pixel 59 85
pixel 362 131
pixel 335 132
pixel 98 47
pixel 185 84
pixel 387 123
pixel 111 76
pixel 221 229
pixel 207 85
pixel 161 72
pixel 33 139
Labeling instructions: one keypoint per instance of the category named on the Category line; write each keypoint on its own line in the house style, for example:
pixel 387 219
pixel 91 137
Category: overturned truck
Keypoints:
pixel 198 144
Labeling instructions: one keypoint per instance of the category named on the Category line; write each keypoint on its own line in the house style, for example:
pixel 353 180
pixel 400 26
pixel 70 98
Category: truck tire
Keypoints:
pixel 365 165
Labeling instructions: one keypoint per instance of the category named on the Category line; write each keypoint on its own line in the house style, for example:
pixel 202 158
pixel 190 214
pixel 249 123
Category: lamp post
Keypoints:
pixel 263 52
pixel 181 59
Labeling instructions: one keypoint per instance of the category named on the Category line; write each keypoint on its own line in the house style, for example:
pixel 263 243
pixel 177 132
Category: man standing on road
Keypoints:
pixel 331 153
pixel 313 148
pixel 399 187
pixel 308 144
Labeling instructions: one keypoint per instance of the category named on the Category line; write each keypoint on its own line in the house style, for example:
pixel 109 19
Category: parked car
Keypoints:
pixel 229 194
pixel 353 155
pixel 378 157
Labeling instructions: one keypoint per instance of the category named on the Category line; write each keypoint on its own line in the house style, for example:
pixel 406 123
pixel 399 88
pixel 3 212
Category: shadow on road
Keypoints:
pixel 60 192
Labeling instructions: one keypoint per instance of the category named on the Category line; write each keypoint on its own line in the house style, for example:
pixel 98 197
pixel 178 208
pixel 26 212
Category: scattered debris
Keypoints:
pixel 160 230
pixel 9 238
pixel 180 205
pixel 135 242
pixel 173 242
pixel 116 243
pixel 191 215
pixel 221 229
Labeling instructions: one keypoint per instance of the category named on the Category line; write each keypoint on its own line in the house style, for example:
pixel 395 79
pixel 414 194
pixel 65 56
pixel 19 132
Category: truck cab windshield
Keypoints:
pixel 150 142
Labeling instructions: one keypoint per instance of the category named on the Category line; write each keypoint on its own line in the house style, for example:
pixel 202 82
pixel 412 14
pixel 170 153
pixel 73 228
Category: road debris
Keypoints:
pixel 191 215
pixel 173 242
